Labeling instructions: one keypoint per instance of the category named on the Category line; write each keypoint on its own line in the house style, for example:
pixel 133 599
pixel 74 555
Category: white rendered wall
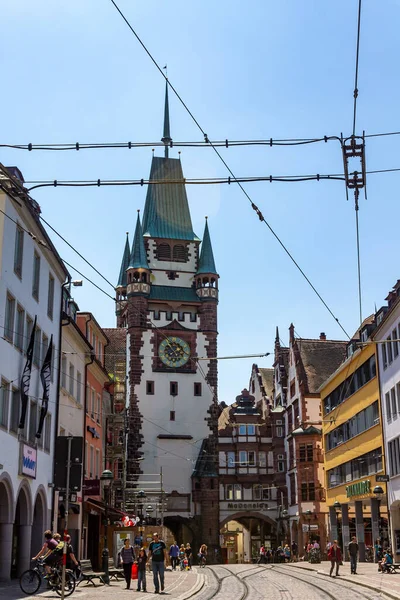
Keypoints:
pixel 12 361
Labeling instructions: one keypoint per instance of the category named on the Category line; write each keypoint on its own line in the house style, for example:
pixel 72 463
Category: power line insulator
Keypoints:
pixel 353 149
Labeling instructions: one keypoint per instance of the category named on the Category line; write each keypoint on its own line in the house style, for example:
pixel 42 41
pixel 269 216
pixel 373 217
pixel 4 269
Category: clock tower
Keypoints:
pixel 167 296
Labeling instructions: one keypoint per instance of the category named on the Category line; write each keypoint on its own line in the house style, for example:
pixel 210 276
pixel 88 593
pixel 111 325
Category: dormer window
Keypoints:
pixel 164 252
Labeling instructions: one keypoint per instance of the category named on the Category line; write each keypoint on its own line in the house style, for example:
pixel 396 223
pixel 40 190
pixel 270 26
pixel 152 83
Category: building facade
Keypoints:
pixel 353 445
pixel 167 301
pixel 387 336
pixel 299 370
pixel 31 278
pixel 76 353
pixel 252 491
pixel 96 380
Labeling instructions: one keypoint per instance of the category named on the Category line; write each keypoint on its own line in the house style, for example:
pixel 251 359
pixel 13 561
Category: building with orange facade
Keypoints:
pixel 95 401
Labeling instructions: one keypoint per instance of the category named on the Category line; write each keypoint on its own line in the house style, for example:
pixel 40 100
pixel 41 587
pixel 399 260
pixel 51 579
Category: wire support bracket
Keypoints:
pixel 353 149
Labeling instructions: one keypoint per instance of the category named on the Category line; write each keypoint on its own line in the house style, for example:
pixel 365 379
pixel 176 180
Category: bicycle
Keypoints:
pixel 202 561
pixel 30 580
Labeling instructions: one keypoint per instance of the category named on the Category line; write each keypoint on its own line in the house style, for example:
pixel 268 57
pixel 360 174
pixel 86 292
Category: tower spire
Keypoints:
pixel 166 139
pixel 124 264
pixel 138 257
pixel 206 261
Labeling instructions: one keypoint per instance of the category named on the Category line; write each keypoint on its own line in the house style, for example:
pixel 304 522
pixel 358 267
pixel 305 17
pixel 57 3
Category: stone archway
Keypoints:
pixel 39 521
pixel 22 531
pixel 256 529
pixel 6 526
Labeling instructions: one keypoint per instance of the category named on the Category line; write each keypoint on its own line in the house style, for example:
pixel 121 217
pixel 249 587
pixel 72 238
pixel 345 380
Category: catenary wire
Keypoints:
pixel 255 208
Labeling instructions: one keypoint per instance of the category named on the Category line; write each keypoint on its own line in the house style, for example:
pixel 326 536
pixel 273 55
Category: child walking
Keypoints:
pixel 142 560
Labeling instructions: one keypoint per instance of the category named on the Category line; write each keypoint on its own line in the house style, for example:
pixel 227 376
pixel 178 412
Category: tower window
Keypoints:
pixel 179 253
pixel 173 388
pixel 197 389
pixel 172 415
pixel 150 388
pixel 164 252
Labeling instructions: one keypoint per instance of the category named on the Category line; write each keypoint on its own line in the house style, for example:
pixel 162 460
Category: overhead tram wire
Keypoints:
pixel 226 143
pixel 355 93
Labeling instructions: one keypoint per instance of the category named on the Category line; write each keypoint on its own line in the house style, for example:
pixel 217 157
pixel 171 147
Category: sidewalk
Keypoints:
pixel 179 585
pixel 367 576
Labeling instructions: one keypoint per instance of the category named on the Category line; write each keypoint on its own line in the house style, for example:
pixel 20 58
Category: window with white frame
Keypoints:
pixel 231 459
pixel 251 429
pixel 394 403
pixel 237 491
pixel 45 345
pixel 251 458
pixel 242 429
pixel 4 402
pixel 384 356
pixel 281 463
pixel 19 251
pixel 389 349
pixel 98 408
pixel 50 297
pixel 36 276
pixel 28 333
pixel 398 397
pixel 388 407
pixel 243 458
pixel 9 318
pixel 279 431
pixel 64 372
pixel 395 343
pixel 79 387
pixel 91 471
pixel 47 432
pixel 37 347
pixel 262 459
pixel 229 491
pixel 71 379
pixel 33 421
pixel 15 410
pixel 93 404
pixel 19 328
pixel 97 472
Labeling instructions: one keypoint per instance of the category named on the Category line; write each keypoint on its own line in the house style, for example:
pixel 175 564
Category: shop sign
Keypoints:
pixel 247 505
pixel 312 528
pixel 358 489
pixel 28 461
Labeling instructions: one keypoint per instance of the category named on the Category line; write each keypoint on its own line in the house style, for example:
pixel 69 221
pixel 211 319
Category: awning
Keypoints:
pixel 100 506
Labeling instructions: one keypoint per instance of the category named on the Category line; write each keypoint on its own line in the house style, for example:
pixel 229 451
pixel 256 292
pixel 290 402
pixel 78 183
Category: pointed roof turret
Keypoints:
pixel 206 261
pixel 124 264
pixel 166 138
pixel 138 258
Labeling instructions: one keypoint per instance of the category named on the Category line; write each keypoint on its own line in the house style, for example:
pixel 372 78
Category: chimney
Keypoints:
pixel 322 335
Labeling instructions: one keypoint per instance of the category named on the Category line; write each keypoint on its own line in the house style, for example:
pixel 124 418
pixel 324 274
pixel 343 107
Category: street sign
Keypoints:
pixel 382 478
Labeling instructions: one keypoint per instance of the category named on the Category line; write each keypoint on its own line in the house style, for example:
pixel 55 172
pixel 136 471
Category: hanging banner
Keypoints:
pixel 26 377
pixel 45 375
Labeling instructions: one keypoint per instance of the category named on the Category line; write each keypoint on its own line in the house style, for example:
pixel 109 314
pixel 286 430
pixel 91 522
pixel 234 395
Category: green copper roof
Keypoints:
pixel 138 259
pixel 166 213
pixel 171 292
pixel 124 264
pixel 206 262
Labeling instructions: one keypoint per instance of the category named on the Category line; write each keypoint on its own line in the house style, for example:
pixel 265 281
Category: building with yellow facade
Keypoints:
pixel 353 445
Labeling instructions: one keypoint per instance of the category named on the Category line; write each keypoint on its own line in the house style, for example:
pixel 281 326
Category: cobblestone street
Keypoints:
pixel 246 582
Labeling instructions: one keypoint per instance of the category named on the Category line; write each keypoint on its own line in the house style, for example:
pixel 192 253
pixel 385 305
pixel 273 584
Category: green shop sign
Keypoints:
pixel 358 489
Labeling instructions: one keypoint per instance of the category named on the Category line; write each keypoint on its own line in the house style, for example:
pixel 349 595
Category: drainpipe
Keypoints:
pixel 57 409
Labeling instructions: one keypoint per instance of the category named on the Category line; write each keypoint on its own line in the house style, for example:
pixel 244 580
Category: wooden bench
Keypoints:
pixel 88 575
pixel 113 572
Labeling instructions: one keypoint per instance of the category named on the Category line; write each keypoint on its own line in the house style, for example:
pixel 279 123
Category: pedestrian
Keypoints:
pixel 353 553
pixel 158 554
pixel 182 557
pixel 286 552
pixel 72 562
pixel 174 554
pixel 126 556
pixel 386 563
pixel 189 555
pixel 262 558
pixel 141 562
pixel 335 556
pixel 294 551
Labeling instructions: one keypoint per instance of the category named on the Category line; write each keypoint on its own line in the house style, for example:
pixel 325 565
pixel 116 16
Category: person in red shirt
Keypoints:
pixel 335 556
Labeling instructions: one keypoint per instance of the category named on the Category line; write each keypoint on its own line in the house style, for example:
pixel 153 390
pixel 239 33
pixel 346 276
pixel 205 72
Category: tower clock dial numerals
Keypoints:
pixel 174 352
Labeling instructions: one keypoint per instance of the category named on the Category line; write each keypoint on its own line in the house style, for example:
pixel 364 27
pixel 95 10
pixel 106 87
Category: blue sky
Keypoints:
pixel 73 71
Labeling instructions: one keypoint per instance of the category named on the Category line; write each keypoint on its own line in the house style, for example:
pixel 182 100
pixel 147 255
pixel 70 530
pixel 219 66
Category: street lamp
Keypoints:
pixel 106 478
pixel 149 510
pixel 378 493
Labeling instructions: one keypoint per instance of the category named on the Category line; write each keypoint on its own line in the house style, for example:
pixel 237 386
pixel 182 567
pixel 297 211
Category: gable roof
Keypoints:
pixel 166 212
pixel 267 379
pixel 320 358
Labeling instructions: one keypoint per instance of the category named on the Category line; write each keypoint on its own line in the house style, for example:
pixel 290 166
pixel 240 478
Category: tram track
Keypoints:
pixel 260 582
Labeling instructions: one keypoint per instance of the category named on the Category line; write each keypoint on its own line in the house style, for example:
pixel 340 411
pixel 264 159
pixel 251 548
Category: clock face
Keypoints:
pixel 174 352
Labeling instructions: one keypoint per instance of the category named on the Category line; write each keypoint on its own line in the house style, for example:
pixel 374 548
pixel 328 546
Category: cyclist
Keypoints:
pixel 203 553
pixel 48 551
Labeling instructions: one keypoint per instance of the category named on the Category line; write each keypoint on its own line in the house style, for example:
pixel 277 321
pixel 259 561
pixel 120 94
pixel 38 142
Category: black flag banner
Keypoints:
pixel 45 375
pixel 26 377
